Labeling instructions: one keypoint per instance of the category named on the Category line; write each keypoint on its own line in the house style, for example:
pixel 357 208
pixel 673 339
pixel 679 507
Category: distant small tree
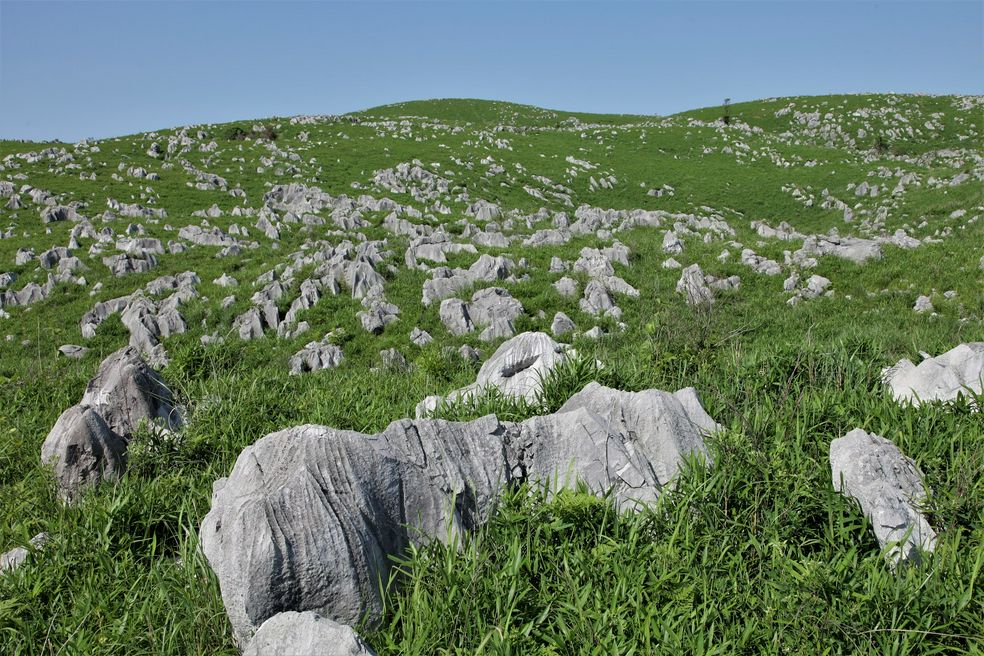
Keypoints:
pixel 881 145
pixel 727 111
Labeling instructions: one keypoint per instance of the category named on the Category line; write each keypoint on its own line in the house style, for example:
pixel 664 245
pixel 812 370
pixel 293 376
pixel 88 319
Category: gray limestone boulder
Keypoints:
pixel 958 371
pixel 491 304
pixel 517 369
pixel 309 516
pixel 855 249
pixel 566 287
pixel 760 264
pixel 126 392
pixel 122 265
pixel 249 324
pixel 666 425
pixel 888 487
pixel 11 560
pixel 923 304
pixel 693 285
pixel 394 361
pixel 671 243
pixel 73 351
pixel 562 325
pixel 305 634
pixel 378 314
pixel 420 337
pixel 25 255
pixel 82 450
pixel 454 315
pixel 225 280
pixel 597 301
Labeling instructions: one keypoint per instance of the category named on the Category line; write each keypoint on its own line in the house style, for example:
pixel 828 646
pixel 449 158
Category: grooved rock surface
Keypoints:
pixel 671 425
pixel 309 516
pixel 938 379
pixel 83 450
pixel 126 391
pixel 887 485
pixel 88 442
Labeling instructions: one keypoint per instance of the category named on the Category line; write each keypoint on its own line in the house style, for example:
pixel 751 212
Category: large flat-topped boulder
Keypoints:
pixel 306 634
pixel 958 371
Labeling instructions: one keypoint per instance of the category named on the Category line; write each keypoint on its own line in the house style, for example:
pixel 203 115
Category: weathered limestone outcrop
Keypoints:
pixel 310 515
pixel 88 442
pixel 958 371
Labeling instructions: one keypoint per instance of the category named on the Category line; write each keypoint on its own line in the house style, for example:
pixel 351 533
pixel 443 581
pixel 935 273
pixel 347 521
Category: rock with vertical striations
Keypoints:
pixel 82 450
pixel 127 392
pixel 310 517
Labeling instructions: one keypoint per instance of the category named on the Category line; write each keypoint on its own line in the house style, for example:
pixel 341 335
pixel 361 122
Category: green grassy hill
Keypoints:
pixel 755 554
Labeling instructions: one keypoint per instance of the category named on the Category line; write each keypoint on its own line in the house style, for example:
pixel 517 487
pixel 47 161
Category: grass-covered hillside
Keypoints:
pixel 353 214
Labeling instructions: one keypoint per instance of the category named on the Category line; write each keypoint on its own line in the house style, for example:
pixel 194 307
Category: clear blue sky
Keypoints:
pixel 74 69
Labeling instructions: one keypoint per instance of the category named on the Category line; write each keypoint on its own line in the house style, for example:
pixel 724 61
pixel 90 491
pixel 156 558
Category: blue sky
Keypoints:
pixel 75 69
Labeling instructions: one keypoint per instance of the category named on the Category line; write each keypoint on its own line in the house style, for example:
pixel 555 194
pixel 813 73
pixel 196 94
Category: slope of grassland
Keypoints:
pixel 755 554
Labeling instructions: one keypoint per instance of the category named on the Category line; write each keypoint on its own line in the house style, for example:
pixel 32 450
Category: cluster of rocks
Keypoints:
pixel 492 309
pixel 336 504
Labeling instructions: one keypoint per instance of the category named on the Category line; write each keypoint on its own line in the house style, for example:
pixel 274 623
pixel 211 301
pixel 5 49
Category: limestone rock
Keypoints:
pixel 516 369
pixel 315 356
pixel 888 486
pixel 942 378
pixel 454 316
pixel 566 287
pixel 83 450
pixel 420 337
pixel 126 392
pixel 562 325
pixel 923 304
pixel 305 634
pixel 310 516
pixel 73 351
pixel 11 560
pixel 693 284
